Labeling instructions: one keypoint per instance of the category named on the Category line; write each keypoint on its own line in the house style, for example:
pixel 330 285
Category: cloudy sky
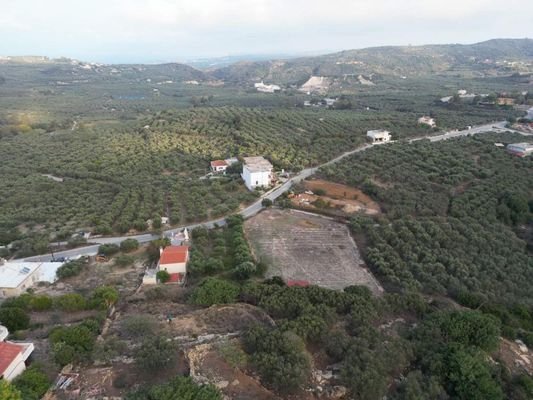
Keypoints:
pixel 177 30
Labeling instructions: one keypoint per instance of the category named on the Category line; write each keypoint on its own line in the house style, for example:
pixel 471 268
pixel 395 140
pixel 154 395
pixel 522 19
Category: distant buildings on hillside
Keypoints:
pixel 379 136
pixel 325 102
pixel 462 94
pixel 426 120
pixel 520 149
pixel 261 87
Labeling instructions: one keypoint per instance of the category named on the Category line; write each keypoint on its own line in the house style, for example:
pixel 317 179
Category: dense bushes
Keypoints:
pixel 178 388
pixel 442 355
pixel 124 260
pixel 70 268
pixel 129 245
pixel 279 357
pixel 215 291
pixel 155 353
pixel 108 249
pixel 222 251
pixel 8 391
pixel 14 318
pixel 71 302
pixel 32 383
pixel 73 343
pixel 100 298
pixel 450 211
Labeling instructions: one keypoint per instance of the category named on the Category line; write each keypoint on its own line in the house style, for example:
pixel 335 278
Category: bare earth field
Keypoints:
pixel 341 199
pixel 300 246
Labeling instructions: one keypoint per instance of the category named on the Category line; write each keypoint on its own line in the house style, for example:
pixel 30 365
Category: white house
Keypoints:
pixel 379 135
pixel 18 276
pixel 425 120
pixel 261 87
pixel 13 356
pixel 219 166
pixel 174 259
pixel 256 172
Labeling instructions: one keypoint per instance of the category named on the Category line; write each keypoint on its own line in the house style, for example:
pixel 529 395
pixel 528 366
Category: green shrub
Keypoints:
pixel 178 388
pixel 108 249
pixel 22 301
pixel 8 391
pixel 244 271
pixel 266 202
pixel 33 383
pixel 14 318
pixel 162 276
pixel 124 260
pixel 155 353
pixel 129 245
pixel 71 302
pixel 72 343
pixel 104 297
pixel 279 357
pixel 215 291
pixel 63 353
pixel 71 268
pixel 139 326
pixel 41 303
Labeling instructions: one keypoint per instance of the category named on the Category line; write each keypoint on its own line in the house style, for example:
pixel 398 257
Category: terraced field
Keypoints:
pixel 303 247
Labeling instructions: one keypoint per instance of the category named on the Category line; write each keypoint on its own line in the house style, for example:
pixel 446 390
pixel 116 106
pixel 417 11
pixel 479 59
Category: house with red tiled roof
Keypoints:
pixel 219 166
pixel 173 259
pixel 13 358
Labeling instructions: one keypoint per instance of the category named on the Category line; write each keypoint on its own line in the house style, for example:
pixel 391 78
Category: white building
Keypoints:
pixel 427 121
pixel 13 356
pixel 219 166
pixel 174 260
pixel 18 276
pixel 379 135
pixel 261 87
pixel 256 172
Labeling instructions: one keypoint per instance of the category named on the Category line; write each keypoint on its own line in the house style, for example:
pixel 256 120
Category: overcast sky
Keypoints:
pixel 178 30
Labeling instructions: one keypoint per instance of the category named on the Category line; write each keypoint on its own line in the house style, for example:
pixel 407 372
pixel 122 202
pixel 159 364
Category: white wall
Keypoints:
pixel 255 179
pixel 175 268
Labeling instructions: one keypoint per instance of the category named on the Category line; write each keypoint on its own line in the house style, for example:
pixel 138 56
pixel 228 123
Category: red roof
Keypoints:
pixel 175 278
pixel 219 163
pixel 298 283
pixel 174 254
pixel 8 353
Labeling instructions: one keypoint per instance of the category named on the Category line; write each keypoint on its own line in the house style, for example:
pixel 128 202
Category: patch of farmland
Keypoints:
pixel 303 247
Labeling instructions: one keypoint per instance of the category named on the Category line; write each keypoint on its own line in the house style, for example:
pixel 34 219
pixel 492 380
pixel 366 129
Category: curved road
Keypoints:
pixel 254 208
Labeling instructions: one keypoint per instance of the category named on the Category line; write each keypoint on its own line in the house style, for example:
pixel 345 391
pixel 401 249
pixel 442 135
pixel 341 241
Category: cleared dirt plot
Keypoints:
pixel 334 198
pixel 303 247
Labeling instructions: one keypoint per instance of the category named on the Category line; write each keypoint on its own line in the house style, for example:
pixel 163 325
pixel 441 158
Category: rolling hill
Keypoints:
pixel 489 58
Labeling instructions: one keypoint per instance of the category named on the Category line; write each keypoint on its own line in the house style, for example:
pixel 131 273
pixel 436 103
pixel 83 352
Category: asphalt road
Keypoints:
pixel 255 207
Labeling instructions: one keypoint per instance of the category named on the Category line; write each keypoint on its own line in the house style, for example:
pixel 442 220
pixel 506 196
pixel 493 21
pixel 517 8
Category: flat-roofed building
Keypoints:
pixel 257 172
pixel 18 276
pixel 379 135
